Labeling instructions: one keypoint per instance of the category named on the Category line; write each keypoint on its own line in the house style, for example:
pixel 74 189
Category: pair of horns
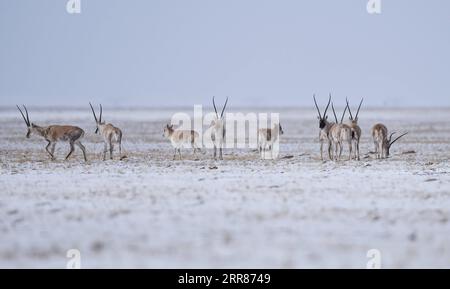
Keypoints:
pixel 326 109
pixel 95 116
pixel 343 114
pixel 223 109
pixel 357 112
pixel 26 119
pixel 392 142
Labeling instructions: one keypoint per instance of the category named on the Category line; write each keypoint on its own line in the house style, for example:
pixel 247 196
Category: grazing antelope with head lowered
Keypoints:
pixel 110 134
pixel 324 126
pixel 179 137
pixel 381 140
pixel 339 134
pixel 218 130
pixel 54 133
pixel 356 130
pixel 267 137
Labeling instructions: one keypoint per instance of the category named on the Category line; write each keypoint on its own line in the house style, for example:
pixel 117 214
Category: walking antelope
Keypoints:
pixel 324 126
pixel 110 134
pixel 356 130
pixel 267 137
pixel 179 137
pixel 218 130
pixel 339 134
pixel 381 140
pixel 55 133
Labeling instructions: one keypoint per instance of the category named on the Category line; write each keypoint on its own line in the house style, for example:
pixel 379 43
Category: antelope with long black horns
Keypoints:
pixel 356 130
pixel 110 134
pixel 218 130
pixel 55 133
pixel 324 127
pixel 381 140
pixel 339 134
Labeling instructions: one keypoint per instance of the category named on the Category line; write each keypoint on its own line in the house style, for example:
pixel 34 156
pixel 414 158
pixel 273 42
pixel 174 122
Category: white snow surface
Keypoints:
pixel 148 211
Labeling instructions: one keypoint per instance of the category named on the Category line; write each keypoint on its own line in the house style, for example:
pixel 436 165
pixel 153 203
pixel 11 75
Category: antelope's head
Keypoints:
pixel 31 128
pixel 389 142
pixel 168 130
pixel 98 121
pixel 323 119
pixel 218 120
pixel 354 120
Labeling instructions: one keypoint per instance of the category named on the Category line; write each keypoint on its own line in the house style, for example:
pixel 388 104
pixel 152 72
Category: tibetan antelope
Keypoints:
pixel 356 130
pixel 218 130
pixel 179 138
pixel 324 126
pixel 339 134
pixel 110 134
pixel 381 140
pixel 267 137
pixel 55 133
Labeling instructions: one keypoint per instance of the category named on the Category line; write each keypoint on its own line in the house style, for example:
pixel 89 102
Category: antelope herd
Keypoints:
pixel 335 135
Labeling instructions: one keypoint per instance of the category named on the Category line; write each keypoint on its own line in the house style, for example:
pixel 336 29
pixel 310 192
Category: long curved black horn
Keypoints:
pixel 223 109
pixel 390 137
pixel 93 112
pixel 26 122
pixel 334 112
pixel 315 102
pixel 343 114
pixel 357 112
pixel 349 110
pixel 392 142
pixel 26 112
pixel 101 112
pixel 215 109
pixel 326 109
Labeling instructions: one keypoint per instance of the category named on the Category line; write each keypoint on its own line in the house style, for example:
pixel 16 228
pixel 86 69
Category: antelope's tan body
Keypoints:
pixel 110 134
pixel 180 138
pixel 218 130
pixel 380 139
pixel 56 133
pixel 267 138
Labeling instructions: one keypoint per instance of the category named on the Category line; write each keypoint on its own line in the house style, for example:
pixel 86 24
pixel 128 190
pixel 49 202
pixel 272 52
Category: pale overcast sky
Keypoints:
pixel 264 52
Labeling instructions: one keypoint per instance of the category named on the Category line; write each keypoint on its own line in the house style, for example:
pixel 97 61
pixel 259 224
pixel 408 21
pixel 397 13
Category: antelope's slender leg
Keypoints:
pixel 321 150
pixel 337 155
pixel 175 154
pixel 220 153
pixel 357 150
pixel 350 147
pixel 83 149
pixel 215 151
pixel 376 149
pixel 179 153
pixel 120 145
pixel 193 146
pixel 49 150
pixel 380 150
pixel 330 150
pixel 111 149
pixel 72 148
pixel 52 149
pixel 105 149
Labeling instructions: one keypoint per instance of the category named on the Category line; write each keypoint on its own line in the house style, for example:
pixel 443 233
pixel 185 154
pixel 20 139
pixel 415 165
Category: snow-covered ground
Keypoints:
pixel 150 211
